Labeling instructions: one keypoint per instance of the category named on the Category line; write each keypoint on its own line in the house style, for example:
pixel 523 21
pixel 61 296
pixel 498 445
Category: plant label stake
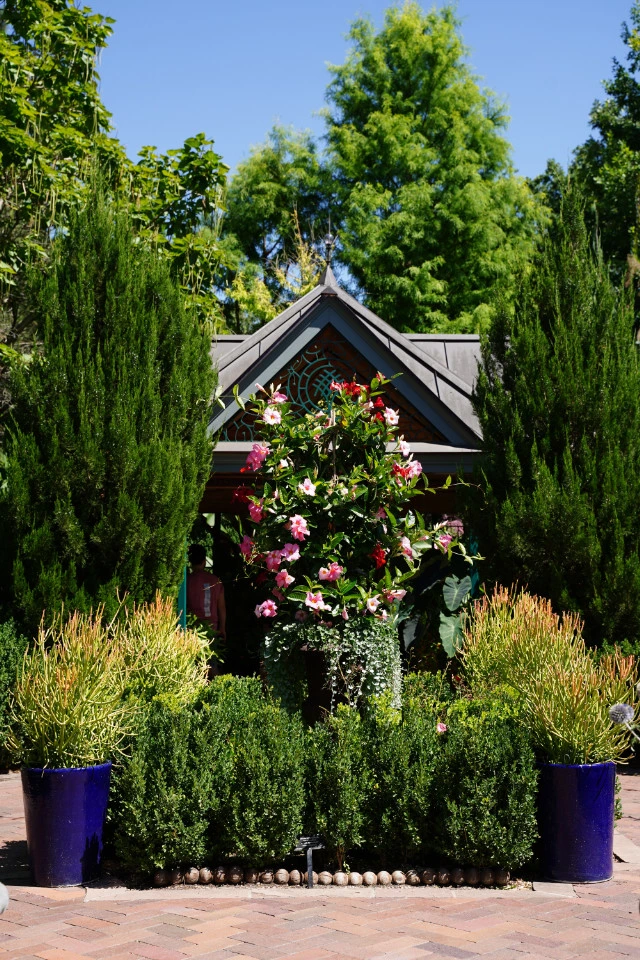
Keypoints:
pixel 307 845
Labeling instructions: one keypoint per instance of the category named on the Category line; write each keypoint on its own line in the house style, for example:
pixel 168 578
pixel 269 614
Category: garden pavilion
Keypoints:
pixel 328 335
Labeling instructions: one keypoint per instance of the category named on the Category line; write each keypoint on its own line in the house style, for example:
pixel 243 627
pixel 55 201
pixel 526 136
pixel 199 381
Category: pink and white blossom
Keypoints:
pixel 381 514
pixel 246 546
pixel 315 601
pixel 391 417
pixel 307 487
pixel 284 579
pixel 414 469
pixel 443 541
pixel 255 511
pixel 278 397
pixel 405 448
pixel 298 526
pixel 272 416
pixel 392 595
pixel 405 547
pixel 266 609
pixel 441 728
pixel 333 572
pixel 256 456
pixel 344 614
pixel 290 552
pixel 372 604
pixel 273 560
pixel 284 464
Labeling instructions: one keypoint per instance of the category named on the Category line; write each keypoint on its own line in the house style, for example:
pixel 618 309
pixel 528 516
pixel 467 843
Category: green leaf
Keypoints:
pixel 456 592
pixel 451 635
pixel 237 397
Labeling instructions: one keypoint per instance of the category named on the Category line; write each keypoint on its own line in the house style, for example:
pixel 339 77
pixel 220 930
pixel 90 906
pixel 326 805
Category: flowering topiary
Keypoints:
pixel 331 535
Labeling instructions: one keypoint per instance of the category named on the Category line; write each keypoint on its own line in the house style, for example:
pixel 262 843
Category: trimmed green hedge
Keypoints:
pixel 236 775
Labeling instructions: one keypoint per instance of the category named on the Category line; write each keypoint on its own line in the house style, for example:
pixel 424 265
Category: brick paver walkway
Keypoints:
pixel 600 921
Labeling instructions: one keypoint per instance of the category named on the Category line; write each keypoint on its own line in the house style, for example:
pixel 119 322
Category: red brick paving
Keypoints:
pixel 601 922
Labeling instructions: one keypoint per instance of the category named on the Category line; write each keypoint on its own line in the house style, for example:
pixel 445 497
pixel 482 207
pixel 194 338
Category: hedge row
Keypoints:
pixel 237 776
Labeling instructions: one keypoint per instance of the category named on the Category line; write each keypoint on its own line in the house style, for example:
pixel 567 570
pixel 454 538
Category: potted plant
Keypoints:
pixel 516 639
pixel 67 718
pixel 331 538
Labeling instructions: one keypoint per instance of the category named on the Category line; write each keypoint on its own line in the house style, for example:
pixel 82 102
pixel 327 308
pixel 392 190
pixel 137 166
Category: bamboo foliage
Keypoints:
pixel 516 639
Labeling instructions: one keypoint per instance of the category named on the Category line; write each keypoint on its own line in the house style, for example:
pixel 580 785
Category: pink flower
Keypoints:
pixel 405 448
pixel 284 578
pixel 246 546
pixel 290 552
pixel 392 595
pixel 381 514
pixel 256 457
pixel 307 487
pixel 298 527
pixel 266 609
pixel 273 560
pixel 383 615
pixel 414 469
pixel 441 728
pixel 336 386
pixel 283 464
pixel 372 604
pixel 345 615
pixel 315 601
pixel 405 547
pixel 443 541
pixel 278 397
pixel 391 417
pixel 333 572
pixel 278 594
pixel 272 416
pixel 301 616
pixel 255 511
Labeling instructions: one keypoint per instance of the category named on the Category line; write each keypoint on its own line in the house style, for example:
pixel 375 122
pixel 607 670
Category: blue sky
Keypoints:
pixel 233 68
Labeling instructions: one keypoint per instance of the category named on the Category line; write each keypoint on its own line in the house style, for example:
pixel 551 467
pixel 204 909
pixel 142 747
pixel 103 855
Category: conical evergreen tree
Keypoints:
pixel 558 402
pixel 108 450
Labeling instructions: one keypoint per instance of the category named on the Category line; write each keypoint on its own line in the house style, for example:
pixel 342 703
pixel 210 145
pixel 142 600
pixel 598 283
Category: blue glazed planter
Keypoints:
pixel 575 821
pixel 65 811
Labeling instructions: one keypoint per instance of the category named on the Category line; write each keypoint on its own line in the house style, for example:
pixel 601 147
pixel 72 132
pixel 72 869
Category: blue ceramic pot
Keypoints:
pixel 65 811
pixel 575 821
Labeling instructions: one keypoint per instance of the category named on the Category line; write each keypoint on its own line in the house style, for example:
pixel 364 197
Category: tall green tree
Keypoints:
pixel 557 399
pixel 278 206
pixel 107 446
pixel 608 163
pixel 54 130
pixel 433 218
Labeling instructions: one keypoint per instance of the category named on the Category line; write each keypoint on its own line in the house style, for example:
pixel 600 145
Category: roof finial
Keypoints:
pixel 329 244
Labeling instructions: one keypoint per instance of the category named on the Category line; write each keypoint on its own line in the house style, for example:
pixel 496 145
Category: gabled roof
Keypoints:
pixel 438 371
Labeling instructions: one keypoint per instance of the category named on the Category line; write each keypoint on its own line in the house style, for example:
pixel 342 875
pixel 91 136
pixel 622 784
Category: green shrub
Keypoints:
pixel 339 781
pixel 219 777
pixel 484 809
pixel 12 648
pixel 171 788
pixel 262 816
pixel 402 754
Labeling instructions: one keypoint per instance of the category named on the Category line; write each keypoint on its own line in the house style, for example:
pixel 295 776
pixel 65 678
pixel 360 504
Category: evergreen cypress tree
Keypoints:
pixel 558 401
pixel 108 449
